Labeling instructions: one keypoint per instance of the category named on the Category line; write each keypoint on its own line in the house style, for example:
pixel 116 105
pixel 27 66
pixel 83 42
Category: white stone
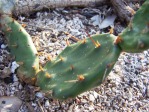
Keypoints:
pixel 39 95
pixel 108 21
pixel 3 46
pixel 91 108
pixel 130 96
pixel 96 95
pixel 91 98
pixel 34 104
pixel 13 88
pixel 20 86
pixel 14 66
pixel 96 20
pixel 47 104
pixel 9 104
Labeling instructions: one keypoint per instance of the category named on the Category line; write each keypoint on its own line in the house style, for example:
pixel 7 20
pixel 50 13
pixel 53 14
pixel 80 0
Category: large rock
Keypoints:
pixel 9 104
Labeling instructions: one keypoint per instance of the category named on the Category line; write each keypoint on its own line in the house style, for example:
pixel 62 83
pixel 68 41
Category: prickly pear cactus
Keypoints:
pixel 79 67
pixel 135 38
pixel 21 47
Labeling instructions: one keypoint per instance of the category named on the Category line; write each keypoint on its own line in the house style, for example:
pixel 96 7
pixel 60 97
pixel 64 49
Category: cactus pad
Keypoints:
pixel 135 38
pixel 21 47
pixel 79 67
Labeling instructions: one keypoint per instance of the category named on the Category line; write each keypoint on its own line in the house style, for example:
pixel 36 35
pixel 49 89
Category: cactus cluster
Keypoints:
pixel 80 66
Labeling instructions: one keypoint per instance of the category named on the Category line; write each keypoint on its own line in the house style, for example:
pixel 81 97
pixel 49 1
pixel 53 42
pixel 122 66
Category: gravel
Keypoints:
pixel 125 89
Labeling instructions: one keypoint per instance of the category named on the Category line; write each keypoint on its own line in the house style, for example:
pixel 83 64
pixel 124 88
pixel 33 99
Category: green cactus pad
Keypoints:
pixel 21 47
pixel 135 38
pixel 79 67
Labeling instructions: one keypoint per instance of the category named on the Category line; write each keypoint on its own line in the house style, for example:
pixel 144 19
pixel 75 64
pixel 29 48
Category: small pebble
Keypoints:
pixel 3 46
pixel 96 95
pixel 91 98
pixel 39 95
pixel 47 104
pixel 20 86
pixel 15 78
pixel 14 66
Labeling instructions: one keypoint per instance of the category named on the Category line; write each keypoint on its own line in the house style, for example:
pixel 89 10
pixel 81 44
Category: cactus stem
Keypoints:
pixel 48 75
pixel 118 40
pixel 81 77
